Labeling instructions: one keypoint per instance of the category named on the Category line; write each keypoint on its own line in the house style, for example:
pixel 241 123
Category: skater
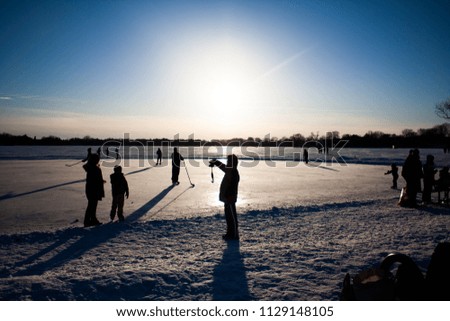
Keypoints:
pixel 305 155
pixel 159 156
pixel 394 172
pixel 89 153
pixel 117 153
pixel 412 173
pixel 119 188
pixel 228 194
pixel 94 189
pixel 176 163
pixel 428 179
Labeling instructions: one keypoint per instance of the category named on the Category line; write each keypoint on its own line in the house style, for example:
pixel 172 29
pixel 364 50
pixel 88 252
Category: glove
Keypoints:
pixel 212 162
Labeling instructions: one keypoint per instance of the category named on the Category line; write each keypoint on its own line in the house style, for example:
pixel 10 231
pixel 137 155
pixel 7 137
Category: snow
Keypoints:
pixel 302 229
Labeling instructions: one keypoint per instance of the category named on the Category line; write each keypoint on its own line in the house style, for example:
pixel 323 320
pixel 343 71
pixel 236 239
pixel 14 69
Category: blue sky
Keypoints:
pixel 221 69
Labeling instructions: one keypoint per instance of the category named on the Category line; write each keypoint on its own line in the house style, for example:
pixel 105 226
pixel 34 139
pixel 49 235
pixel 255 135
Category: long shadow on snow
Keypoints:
pixel 12 195
pixel 94 237
pixel 229 277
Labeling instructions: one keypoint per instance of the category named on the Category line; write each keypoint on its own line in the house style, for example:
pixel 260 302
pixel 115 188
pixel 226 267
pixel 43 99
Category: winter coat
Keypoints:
pixel 119 184
pixel 94 182
pixel 412 170
pixel 176 159
pixel 428 173
pixel 229 186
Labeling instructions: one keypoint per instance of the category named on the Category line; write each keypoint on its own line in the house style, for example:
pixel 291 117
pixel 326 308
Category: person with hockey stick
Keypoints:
pixel 176 163
pixel 228 194
pixel 89 153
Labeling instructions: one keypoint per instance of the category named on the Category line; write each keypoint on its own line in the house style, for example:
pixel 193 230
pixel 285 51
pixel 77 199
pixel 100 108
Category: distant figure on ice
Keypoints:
pixel 117 153
pixel 305 155
pixel 394 172
pixel 412 173
pixel 89 153
pixel 119 188
pixel 99 151
pixel 94 189
pixel 228 194
pixel 158 156
pixel 176 163
pixel 428 179
pixel 107 152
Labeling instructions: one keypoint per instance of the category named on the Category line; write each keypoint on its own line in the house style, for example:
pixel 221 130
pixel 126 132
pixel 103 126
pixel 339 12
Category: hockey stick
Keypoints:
pixel 70 165
pixel 185 167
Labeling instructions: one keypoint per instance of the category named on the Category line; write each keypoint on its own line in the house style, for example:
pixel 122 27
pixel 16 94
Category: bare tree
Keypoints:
pixel 443 109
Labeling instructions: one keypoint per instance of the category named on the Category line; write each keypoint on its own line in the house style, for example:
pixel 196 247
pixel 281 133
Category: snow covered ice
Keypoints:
pixel 302 229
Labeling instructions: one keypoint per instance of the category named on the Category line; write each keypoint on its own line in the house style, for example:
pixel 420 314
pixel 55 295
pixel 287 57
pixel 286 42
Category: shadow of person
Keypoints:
pixel 149 205
pixel 229 277
pixel 43 189
pixel 89 239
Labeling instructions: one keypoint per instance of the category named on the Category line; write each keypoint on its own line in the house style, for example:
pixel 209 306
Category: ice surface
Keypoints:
pixel 302 228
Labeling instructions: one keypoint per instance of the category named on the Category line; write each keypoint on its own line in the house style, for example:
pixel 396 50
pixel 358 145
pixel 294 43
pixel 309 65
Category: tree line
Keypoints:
pixel 435 137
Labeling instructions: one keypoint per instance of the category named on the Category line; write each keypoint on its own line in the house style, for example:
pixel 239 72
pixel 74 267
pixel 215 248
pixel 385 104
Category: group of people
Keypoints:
pixel 119 186
pixel 414 172
pixel 95 190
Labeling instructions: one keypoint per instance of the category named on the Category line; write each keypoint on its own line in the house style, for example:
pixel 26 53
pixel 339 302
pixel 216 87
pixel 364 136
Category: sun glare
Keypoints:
pixel 228 93
pixel 222 77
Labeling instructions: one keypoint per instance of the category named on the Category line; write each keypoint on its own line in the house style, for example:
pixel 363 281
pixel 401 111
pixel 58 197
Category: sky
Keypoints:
pixel 221 69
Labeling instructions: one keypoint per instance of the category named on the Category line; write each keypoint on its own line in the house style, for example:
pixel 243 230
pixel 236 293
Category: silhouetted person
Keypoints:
pixel 305 155
pixel 99 151
pixel 228 194
pixel 176 164
pixel 438 277
pixel 117 153
pixel 107 152
pixel 94 189
pixel 159 156
pixel 89 153
pixel 394 172
pixel 412 173
pixel 119 189
pixel 443 183
pixel 428 179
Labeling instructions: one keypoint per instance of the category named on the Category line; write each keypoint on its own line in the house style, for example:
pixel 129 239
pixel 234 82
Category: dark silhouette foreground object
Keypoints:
pixel 406 284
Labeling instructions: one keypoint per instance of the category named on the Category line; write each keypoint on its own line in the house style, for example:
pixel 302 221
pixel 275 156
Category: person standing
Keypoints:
pixel 428 178
pixel 94 189
pixel 89 153
pixel 176 164
pixel 159 156
pixel 305 155
pixel 412 173
pixel 228 194
pixel 119 189
pixel 394 172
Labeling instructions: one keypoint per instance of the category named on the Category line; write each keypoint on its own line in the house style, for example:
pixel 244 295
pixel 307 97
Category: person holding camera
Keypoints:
pixel 228 194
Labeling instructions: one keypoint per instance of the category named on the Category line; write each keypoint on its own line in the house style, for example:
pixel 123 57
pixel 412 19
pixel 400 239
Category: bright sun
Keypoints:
pixel 221 77
pixel 228 93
